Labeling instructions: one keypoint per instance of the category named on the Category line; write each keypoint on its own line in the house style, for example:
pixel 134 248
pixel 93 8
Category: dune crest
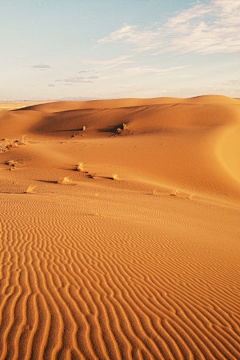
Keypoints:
pixel 120 229
pixel 179 140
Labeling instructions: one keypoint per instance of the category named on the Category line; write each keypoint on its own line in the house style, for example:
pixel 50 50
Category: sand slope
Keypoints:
pixel 142 267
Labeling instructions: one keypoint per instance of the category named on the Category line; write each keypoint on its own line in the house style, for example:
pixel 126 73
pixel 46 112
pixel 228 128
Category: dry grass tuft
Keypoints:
pixel 175 193
pixel 30 189
pixel 11 162
pixel 64 180
pixel 114 177
pixel 6 145
pixel 124 127
pixel 79 166
pixel 24 140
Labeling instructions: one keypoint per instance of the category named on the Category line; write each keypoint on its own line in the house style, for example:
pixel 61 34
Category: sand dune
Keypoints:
pixel 142 267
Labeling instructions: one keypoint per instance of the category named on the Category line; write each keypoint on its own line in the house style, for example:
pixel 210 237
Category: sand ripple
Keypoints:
pixel 79 288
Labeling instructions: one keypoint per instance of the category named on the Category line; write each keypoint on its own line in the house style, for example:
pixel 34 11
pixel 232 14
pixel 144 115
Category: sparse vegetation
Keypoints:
pixel 6 144
pixel 175 193
pixel 79 166
pixel 30 189
pixel 11 162
pixel 64 180
pixel 24 140
pixel 120 130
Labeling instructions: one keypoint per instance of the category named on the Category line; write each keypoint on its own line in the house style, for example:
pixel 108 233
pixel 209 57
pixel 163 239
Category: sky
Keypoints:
pixel 103 49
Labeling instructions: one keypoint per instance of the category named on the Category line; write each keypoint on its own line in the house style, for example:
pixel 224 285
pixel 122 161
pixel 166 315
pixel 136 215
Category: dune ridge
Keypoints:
pixel 142 267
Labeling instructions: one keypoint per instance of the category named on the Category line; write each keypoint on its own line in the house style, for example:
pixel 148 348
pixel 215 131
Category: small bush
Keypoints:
pixel 30 189
pixel 175 193
pixel 79 166
pixel 64 180
pixel 11 162
pixel 120 130
pixel 24 140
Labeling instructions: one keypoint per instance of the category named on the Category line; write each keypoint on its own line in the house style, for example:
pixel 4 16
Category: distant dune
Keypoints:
pixel 11 105
pixel 120 229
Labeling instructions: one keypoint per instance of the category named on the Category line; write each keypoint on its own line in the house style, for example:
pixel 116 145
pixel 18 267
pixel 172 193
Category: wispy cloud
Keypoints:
pixel 141 70
pixel 86 71
pixel 41 66
pixel 78 79
pixel 233 82
pixel 110 63
pixel 203 28
pixel 93 77
pixel 147 70
pixel 131 34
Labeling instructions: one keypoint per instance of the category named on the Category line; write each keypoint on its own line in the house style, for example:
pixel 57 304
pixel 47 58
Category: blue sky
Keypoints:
pixel 74 49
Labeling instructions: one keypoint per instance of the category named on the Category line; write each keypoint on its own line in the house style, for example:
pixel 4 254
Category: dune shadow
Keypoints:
pixel 30 107
pixel 106 177
pixel 111 129
pixel 67 130
pixel 9 192
pixel 48 181
pixel 92 176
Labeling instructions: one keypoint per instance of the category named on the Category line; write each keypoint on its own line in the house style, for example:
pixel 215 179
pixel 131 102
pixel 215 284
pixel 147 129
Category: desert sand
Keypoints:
pixel 120 234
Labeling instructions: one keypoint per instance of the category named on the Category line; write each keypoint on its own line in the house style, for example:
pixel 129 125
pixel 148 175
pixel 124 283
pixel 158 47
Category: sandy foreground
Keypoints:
pixel 135 254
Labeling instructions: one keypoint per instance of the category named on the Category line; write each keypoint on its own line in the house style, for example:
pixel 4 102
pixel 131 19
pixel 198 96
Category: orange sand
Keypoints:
pixel 142 267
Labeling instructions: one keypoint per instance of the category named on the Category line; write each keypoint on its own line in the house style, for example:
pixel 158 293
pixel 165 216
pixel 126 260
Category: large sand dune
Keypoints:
pixel 142 267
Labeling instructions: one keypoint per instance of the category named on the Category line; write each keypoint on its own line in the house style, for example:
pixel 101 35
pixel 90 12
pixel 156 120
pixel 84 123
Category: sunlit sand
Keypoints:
pixel 120 229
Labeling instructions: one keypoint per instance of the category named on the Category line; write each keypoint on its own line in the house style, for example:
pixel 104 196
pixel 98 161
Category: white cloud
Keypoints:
pixel 183 17
pixel 203 29
pixel 124 32
pixel 131 34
